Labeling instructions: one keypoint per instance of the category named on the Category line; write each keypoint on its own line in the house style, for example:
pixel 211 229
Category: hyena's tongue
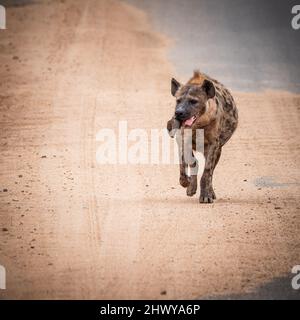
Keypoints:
pixel 189 121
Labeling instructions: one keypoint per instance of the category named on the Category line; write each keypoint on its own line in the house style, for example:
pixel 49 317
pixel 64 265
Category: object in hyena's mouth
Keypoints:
pixel 172 126
pixel 202 103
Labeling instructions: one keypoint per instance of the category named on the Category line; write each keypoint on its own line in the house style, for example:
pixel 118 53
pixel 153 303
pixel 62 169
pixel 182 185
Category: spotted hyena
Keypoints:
pixel 202 103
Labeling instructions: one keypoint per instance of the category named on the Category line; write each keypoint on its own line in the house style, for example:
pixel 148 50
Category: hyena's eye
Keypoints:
pixel 179 100
pixel 193 101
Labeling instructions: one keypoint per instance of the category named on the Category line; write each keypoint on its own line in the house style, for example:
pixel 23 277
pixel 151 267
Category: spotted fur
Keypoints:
pixel 215 111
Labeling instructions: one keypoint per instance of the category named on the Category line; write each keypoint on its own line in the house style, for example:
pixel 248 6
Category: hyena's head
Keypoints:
pixel 191 100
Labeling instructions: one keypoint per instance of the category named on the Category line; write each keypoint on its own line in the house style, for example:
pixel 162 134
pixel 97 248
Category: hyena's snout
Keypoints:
pixel 181 114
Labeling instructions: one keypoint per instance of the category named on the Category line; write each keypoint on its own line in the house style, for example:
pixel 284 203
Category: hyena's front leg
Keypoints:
pixel 212 155
pixel 188 161
pixel 183 165
pixel 189 182
pixel 183 177
pixel 192 187
pixel 173 127
pixel 218 155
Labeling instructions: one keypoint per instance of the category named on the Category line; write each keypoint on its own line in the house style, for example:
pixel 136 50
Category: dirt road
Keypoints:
pixel 71 228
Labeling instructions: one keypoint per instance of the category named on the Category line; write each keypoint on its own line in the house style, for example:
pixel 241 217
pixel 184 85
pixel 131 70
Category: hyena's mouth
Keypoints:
pixel 189 122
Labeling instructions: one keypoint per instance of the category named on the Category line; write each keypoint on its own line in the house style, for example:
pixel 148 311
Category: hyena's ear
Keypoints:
pixel 209 88
pixel 175 85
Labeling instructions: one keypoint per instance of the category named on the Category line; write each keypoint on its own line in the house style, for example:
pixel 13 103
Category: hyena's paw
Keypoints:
pixel 213 194
pixel 184 181
pixel 192 187
pixel 207 197
pixel 204 199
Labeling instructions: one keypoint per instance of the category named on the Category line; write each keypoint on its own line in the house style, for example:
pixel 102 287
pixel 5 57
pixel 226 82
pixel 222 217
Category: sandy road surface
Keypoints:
pixel 71 228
